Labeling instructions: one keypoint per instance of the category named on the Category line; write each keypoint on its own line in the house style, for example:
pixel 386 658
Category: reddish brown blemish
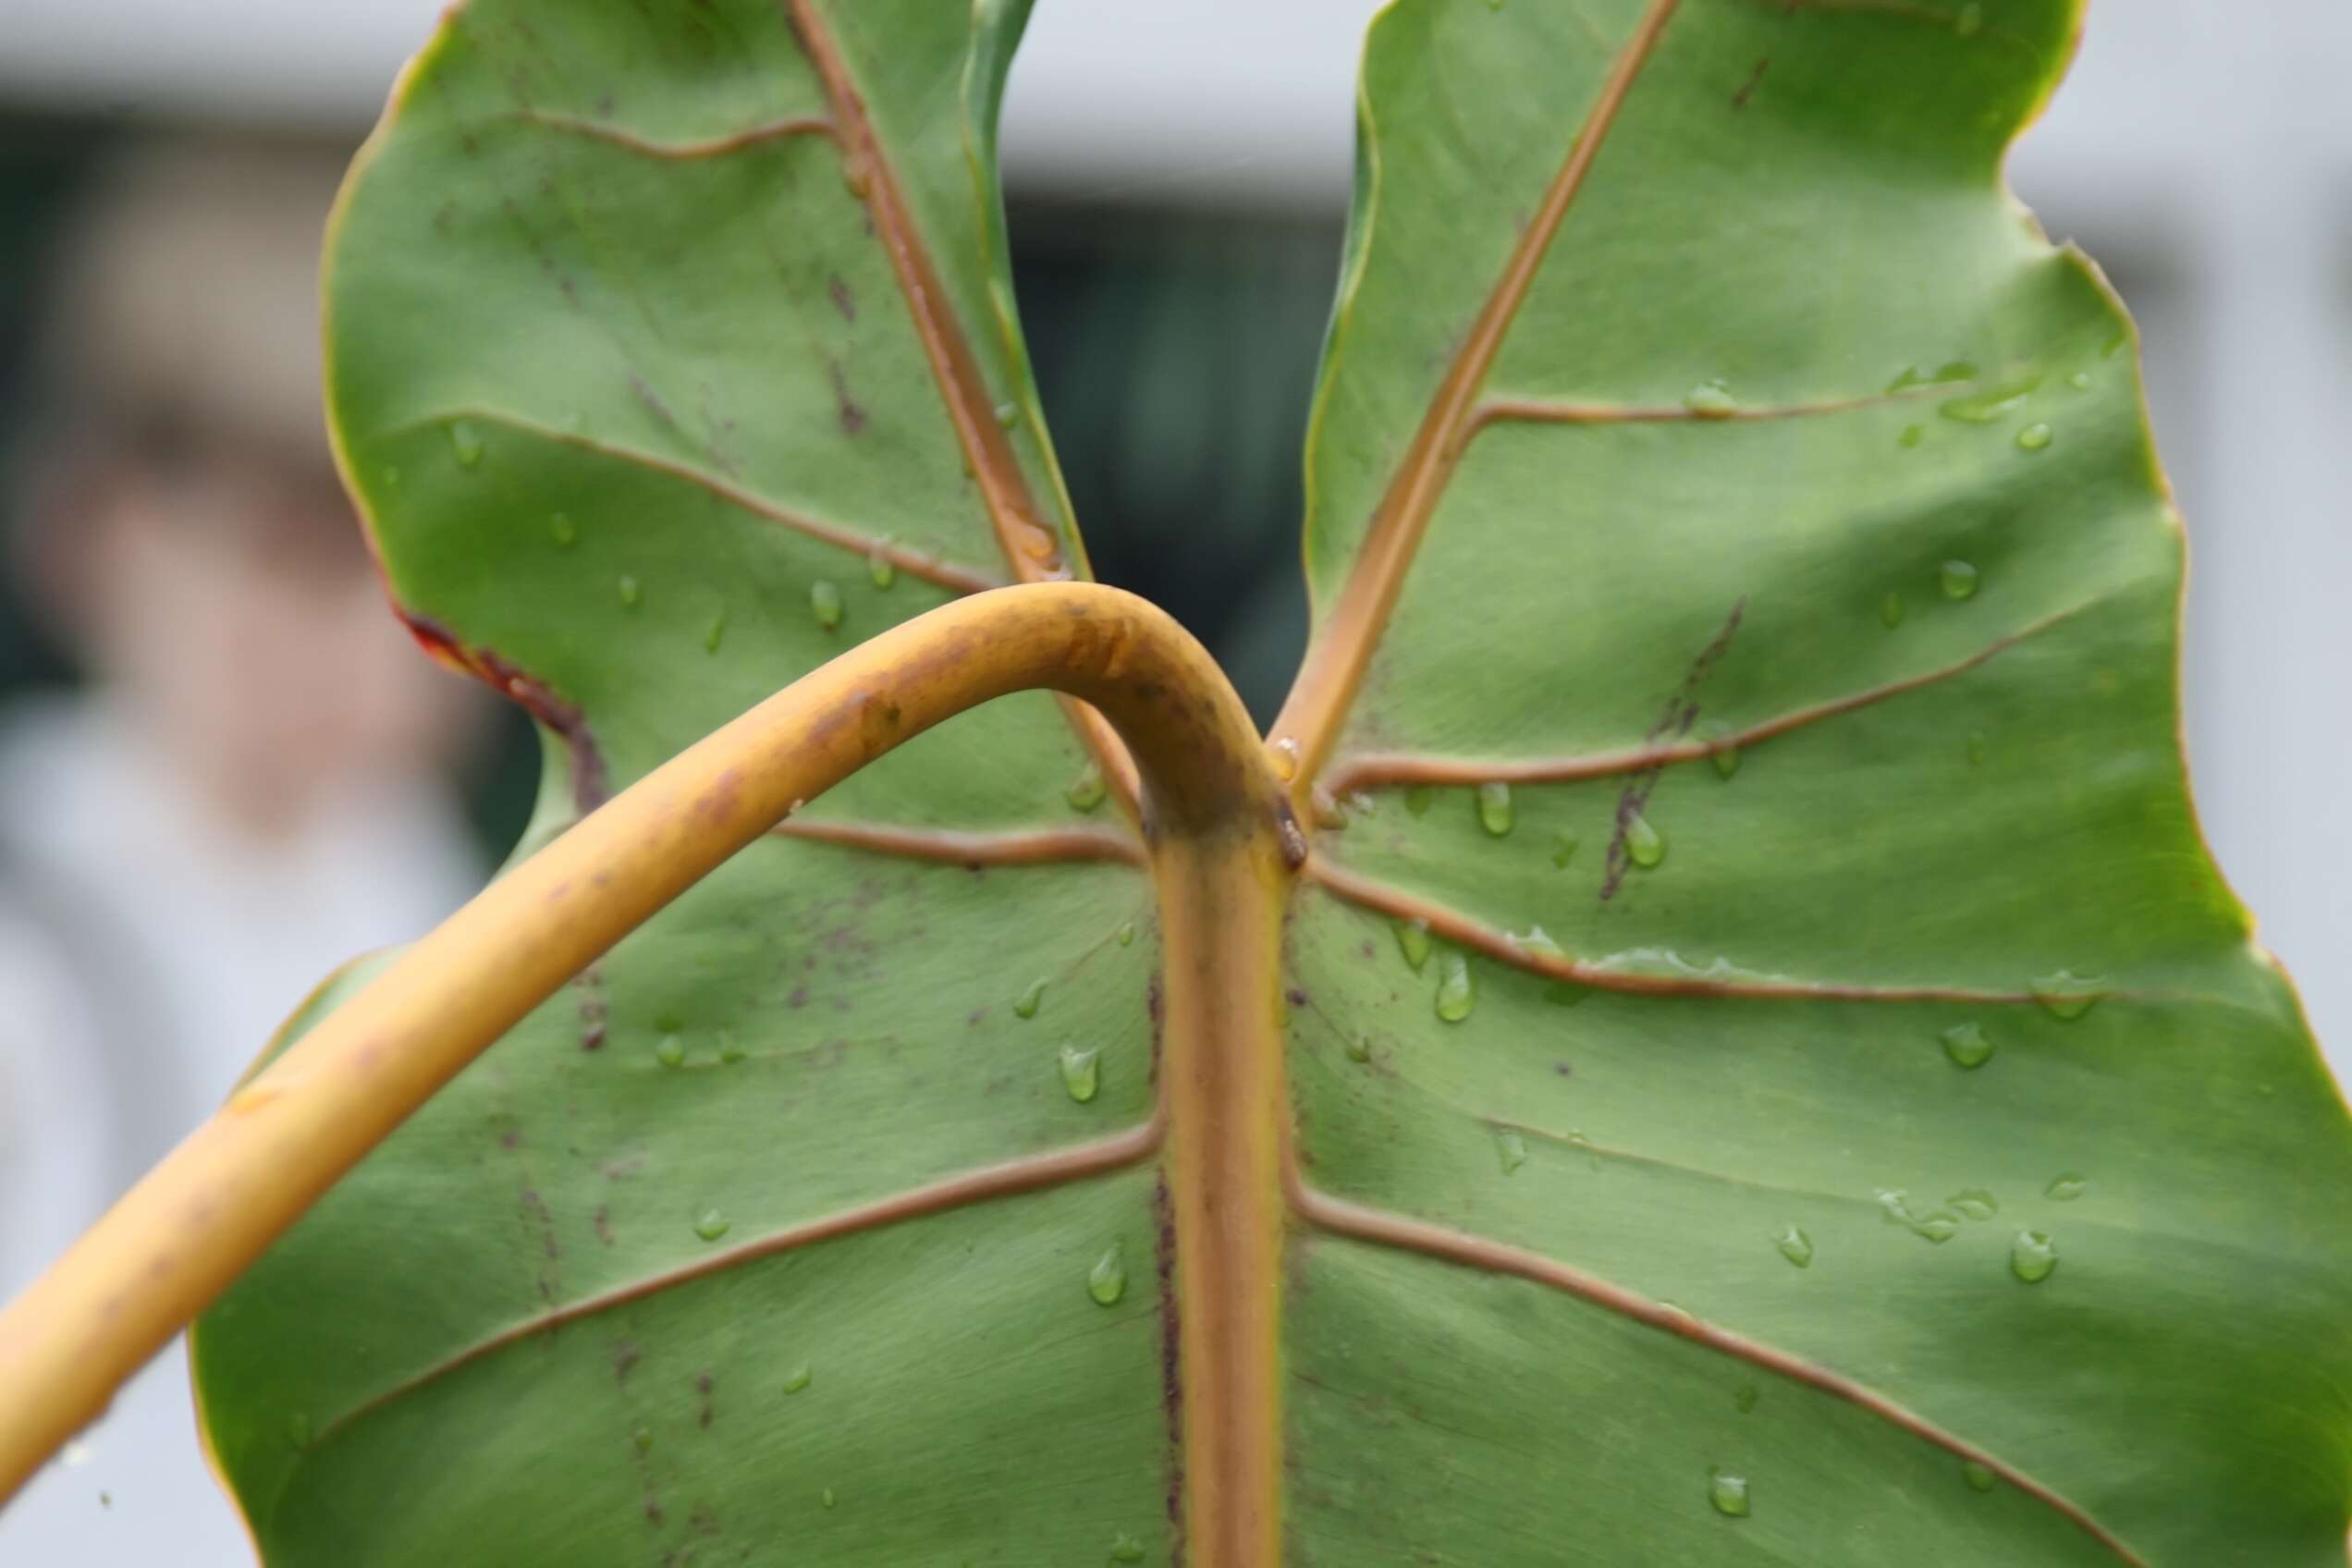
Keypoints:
pixel 1678 715
pixel 842 301
pixel 1171 1371
pixel 588 784
pixel 717 802
pixel 1748 87
pixel 852 412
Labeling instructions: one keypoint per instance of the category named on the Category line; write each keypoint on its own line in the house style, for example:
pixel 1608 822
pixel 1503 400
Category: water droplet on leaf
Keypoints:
pixel 1358 1048
pixel 1727 1494
pixel 1975 1203
pixel 1511 1149
pixel 1025 1004
pixel 1726 759
pixel 1536 942
pixel 1417 798
pixel 2065 1188
pixel 642 1436
pixel 2065 996
pixel 1125 1547
pixel 1456 994
pixel 1086 792
pixel 1711 400
pixel 1890 610
pixel 1563 849
pixel 2080 380
pixel 825 603
pixel 1494 808
pixel 1795 1246
pixel 730 1050
pixel 1412 941
pixel 1988 407
pixel 797 1378
pixel 466 442
pixel 1643 844
pixel 1283 756
pixel 670 1051
pixel 1744 1400
pixel 880 570
pixel 2034 437
pixel 1979 1476
pixel 1967 1046
pixel 2032 1256
pixel 1081 1072
pixel 629 593
pixel 716 634
pixel 712 1225
pixel 1107 1282
pixel 1126 932
pixel 1912 436
pixel 567 533
pixel 1007 414
pixel 1958 579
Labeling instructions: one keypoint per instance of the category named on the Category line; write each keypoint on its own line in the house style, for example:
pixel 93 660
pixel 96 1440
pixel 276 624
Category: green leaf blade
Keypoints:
pixel 1793 355
pixel 627 378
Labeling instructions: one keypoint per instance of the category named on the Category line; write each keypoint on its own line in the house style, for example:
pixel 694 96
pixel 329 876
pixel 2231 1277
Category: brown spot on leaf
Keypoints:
pixel 852 412
pixel 1748 87
pixel 842 301
pixel 1681 712
pixel 625 1357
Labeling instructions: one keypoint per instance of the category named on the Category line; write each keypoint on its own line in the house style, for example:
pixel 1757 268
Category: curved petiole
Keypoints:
pixel 1214 820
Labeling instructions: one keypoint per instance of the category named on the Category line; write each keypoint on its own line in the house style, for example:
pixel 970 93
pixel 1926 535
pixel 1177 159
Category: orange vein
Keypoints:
pixel 1334 663
pixel 1384 1229
pixel 1029 544
pixel 1460 929
pixel 1054 1167
pixel 1369 769
pixel 709 147
pixel 1049 846
pixel 915 563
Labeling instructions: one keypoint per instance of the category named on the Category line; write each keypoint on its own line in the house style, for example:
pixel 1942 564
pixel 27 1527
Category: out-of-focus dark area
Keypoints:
pixel 223 770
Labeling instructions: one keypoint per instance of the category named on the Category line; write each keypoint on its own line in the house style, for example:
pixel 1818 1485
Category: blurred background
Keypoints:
pixel 224 769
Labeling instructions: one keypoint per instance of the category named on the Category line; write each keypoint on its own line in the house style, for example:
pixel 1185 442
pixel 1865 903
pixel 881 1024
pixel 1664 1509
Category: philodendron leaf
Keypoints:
pixel 1775 1075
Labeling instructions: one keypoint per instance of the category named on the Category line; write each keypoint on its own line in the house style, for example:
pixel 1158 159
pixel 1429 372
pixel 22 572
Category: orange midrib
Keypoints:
pixel 1030 546
pixel 1335 661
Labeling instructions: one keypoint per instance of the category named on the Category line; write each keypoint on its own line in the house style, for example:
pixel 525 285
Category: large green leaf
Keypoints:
pixel 1710 455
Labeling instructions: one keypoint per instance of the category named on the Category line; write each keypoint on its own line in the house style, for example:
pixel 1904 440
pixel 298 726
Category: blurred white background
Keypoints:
pixel 2202 150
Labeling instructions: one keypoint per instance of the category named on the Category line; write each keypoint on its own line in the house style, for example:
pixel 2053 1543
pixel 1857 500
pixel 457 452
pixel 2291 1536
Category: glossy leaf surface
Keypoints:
pixel 1776 1076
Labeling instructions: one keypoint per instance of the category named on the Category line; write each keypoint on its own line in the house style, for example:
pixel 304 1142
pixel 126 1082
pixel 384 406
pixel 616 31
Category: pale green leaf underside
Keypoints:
pixel 586 330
